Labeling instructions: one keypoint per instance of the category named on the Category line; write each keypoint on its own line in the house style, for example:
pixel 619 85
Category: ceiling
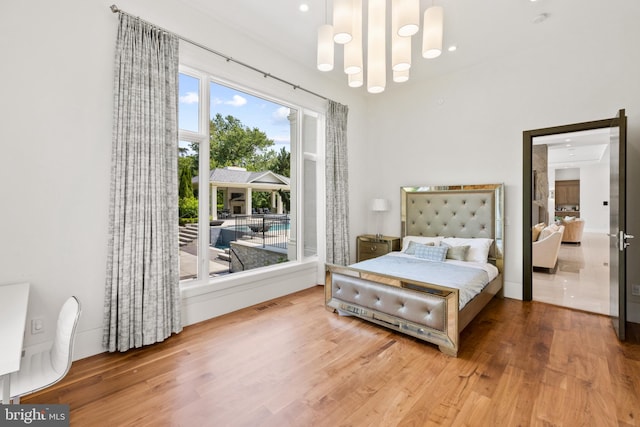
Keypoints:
pixel 576 149
pixel 479 29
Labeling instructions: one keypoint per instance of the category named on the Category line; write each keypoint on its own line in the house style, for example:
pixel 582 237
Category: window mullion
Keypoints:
pixel 203 191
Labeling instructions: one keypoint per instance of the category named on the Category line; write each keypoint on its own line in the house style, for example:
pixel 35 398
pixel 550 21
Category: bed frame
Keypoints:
pixel 424 310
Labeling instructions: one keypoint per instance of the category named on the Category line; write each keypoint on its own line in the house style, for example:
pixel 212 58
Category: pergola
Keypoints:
pixel 237 185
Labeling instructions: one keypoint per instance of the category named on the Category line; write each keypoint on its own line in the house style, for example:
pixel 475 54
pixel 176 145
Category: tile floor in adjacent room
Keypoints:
pixel 582 278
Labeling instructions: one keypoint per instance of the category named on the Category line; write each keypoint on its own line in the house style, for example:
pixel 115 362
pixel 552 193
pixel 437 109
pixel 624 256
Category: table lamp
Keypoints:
pixel 378 206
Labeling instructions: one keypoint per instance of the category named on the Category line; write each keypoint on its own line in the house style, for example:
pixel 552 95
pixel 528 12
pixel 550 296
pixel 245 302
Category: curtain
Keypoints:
pixel 142 295
pixel 337 183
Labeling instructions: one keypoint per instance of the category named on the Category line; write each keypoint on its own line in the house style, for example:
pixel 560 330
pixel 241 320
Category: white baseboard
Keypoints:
pixel 214 300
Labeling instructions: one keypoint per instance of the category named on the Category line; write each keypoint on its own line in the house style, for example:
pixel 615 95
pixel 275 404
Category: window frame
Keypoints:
pixel 203 278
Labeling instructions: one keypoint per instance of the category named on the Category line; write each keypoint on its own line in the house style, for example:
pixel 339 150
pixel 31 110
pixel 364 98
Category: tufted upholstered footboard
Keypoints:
pixel 422 310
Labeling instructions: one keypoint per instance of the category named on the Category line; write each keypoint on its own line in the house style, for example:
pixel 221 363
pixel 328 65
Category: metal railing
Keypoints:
pixel 265 229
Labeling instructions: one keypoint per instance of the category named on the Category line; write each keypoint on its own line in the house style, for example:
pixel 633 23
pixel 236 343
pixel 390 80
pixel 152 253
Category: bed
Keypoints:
pixel 417 291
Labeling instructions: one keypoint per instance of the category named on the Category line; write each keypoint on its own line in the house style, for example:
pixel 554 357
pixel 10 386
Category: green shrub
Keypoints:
pixel 188 207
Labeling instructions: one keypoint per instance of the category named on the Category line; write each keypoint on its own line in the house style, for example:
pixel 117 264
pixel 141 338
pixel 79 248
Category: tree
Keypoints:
pixel 233 144
pixel 282 163
pixel 185 177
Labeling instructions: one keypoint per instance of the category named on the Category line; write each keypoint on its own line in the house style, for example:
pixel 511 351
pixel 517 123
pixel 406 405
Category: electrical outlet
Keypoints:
pixel 37 325
pixel 635 290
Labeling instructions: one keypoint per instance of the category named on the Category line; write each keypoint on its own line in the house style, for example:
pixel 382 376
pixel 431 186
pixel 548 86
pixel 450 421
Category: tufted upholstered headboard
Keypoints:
pixel 455 211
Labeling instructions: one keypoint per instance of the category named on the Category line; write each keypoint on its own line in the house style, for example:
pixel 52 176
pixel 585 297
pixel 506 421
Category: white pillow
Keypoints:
pixel 478 247
pixel 548 231
pixel 420 239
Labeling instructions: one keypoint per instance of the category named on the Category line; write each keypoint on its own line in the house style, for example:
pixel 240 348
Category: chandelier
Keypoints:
pixel 347 30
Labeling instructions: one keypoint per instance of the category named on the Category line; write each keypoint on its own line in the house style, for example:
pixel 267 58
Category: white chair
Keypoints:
pixel 44 365
pixel 544 251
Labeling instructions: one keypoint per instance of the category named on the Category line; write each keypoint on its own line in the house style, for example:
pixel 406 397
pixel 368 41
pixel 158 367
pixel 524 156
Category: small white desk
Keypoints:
pixel 13 314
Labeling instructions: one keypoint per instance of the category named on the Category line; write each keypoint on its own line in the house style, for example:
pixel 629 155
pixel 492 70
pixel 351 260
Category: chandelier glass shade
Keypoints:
pixel 325 47
pixel 432 33
pixel 349 17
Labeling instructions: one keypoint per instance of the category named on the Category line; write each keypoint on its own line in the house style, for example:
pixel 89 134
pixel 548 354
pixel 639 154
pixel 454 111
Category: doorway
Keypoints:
pixel 618 238
pixel 531 186
pixel 571 192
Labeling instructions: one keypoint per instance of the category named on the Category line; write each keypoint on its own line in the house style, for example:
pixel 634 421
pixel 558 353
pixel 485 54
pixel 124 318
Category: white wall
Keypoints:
pixel 594 189
pixel 551 202
pixel 567 174
pixel 56 107
pixel 466 127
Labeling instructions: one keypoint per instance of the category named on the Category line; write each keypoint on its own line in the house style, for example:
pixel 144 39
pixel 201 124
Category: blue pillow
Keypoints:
pixel 411 249
pixel 431 253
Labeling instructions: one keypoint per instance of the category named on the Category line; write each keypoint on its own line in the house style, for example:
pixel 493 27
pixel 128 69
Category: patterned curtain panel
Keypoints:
pixel 142 298
pixel 337 185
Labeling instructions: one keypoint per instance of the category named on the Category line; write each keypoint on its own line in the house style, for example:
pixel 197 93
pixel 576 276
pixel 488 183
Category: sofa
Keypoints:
pixel 573 229
pixel 546 246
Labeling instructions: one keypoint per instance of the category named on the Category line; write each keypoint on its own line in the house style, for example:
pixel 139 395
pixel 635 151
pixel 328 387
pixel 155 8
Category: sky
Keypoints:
pixel 254 112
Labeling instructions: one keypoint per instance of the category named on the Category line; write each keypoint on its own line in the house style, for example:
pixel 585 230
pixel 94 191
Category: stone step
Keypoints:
pixel 224 256
pixel 189 233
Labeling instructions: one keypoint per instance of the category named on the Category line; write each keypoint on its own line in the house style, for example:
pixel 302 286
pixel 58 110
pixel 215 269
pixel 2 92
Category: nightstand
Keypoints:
pixel 368 246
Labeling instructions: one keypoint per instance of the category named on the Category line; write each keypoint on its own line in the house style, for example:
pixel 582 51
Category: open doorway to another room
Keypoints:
pixel 570 214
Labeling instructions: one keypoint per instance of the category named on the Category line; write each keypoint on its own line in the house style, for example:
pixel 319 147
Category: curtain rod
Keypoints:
pixel 115 9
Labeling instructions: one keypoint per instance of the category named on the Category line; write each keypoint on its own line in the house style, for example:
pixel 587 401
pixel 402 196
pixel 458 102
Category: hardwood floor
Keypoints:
pixel 289 362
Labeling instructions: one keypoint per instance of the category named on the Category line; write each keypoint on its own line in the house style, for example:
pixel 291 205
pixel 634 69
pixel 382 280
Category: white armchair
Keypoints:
pixel 545 250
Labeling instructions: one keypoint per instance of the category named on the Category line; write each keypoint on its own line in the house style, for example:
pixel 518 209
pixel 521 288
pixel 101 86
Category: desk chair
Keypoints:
pixel 44 365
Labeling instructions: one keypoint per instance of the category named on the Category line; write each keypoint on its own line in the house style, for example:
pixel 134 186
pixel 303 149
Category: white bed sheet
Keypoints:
pixel 467 292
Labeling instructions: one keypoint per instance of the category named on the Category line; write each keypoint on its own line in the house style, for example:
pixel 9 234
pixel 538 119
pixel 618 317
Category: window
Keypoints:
pixel 247 179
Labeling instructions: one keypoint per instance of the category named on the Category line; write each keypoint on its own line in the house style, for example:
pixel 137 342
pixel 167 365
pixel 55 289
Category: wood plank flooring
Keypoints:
pixel 289 362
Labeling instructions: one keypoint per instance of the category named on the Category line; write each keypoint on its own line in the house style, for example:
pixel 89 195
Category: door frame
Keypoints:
pixel 527 191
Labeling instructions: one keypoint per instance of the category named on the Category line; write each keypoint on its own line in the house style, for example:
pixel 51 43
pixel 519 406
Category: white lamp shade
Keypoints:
pixel 376 67
pixel 408 16
pixel 400 76
pixel 432 32
pixel 353 49
pixel 342 21
pixel 400 46
pixel 356 80
pixel 325 48
pixel 380 205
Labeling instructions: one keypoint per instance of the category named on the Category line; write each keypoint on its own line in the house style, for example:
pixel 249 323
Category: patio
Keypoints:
pixel 219 261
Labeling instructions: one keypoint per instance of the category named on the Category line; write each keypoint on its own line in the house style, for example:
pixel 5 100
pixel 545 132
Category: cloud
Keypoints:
pixel 189 98
pixel 237 101
pixel 281 114
pixel 281 139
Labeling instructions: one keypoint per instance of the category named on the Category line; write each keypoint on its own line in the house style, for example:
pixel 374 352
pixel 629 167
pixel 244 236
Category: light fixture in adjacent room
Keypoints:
pixel 348 30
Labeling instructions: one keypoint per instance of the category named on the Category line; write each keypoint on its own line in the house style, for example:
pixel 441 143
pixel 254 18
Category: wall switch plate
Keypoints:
pixel 37 325
pixel 635 290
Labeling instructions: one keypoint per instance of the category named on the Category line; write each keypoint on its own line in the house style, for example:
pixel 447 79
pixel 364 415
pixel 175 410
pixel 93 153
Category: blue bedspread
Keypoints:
pixel 470 281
